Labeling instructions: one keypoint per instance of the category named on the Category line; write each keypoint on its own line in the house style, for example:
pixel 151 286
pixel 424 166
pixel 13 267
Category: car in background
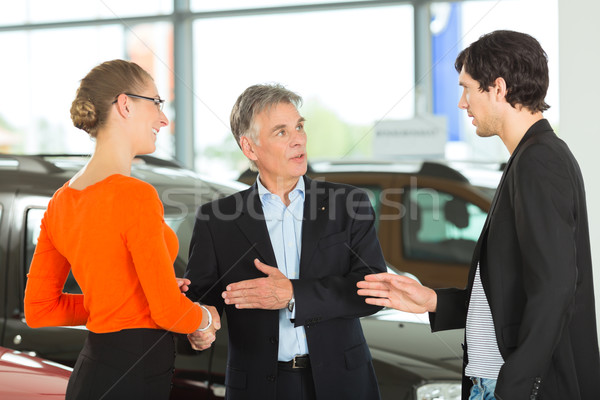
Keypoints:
pixel 410 362
pixel 25 377
pixel 26 185
pixel 429 213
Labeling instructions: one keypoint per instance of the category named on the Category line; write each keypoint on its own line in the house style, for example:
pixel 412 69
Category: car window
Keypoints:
pixel 374 193
pixel 33 224
pixel 439 226
pixel 1 255
pixel 180 207
pixel 32 232
pixel 183 227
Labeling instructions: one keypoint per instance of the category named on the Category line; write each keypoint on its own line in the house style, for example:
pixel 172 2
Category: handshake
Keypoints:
pixel 205 335
pixel 272 292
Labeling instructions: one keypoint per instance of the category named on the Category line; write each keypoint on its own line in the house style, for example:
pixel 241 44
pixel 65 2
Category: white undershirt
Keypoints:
pixel 485 359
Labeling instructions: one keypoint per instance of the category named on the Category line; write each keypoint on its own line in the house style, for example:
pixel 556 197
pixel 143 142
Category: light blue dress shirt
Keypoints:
pixel 285 231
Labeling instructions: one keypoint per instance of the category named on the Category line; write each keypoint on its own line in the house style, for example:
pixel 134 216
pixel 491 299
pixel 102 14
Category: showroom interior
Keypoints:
pixel 356 63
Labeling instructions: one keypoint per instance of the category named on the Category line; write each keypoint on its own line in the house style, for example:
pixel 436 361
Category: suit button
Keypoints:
pixel 271 378
pixel 273 339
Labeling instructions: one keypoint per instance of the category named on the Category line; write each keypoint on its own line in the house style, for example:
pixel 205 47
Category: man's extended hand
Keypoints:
pixel 201 340
pixel 270 293
pixel 183 284
pixel 399 292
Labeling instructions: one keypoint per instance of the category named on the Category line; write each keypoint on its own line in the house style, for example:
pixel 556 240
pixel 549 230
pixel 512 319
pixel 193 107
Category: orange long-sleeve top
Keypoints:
pixel 112 235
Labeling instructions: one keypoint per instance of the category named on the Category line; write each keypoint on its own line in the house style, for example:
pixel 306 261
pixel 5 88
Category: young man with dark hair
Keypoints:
pixel 529 306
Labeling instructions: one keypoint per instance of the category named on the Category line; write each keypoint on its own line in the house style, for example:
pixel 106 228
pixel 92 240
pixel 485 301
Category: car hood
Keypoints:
pixel 24 377
pixel 406 340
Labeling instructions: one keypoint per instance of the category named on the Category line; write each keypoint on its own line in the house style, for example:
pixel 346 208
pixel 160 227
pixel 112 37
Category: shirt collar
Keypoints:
pixel 264 193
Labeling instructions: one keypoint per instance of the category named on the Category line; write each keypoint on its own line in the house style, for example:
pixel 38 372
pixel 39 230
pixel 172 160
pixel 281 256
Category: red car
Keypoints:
pixel 24 377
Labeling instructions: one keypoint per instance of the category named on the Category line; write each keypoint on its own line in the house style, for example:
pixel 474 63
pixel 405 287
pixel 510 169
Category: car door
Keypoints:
pixel 4 235
pixel 61 344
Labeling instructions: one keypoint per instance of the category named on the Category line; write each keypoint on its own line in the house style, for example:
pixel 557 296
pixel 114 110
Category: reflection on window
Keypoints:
pixel 33 226
pixel 439 227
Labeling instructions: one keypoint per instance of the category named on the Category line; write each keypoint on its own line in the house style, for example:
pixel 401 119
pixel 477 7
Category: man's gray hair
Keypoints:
pixel 252 102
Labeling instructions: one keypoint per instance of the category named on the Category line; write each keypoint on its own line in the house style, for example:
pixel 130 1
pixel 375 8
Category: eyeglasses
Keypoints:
pixel 159 102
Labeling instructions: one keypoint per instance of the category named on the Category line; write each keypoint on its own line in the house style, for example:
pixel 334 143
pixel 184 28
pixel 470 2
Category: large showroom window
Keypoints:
pixel 36 11
pixel 353 62
pixel 40 81
pixel 538 18
pixel 206 5
pixel 353 68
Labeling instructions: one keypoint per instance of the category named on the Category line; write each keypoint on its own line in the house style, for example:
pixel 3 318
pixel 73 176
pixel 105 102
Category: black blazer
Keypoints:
pixel 536 270
pixel 339 247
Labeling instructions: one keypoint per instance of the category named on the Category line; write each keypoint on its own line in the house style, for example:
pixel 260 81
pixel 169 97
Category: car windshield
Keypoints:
pixel 183 227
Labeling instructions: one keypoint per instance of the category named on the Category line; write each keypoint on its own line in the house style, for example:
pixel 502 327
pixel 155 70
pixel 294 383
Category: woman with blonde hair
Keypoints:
pixel 108 229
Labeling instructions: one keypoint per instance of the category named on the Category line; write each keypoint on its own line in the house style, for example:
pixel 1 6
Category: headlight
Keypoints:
pixel 439 391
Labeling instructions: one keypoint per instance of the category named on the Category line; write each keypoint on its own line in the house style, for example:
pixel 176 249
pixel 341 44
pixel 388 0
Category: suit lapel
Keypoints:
pixel 316 211
pixel 539 126
pixel 252 224
pixel 483 235
pixel 496 195
pixel 484 230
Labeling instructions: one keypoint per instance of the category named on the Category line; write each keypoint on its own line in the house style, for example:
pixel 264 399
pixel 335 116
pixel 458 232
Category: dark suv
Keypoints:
pixel 411 363
pixel 430 214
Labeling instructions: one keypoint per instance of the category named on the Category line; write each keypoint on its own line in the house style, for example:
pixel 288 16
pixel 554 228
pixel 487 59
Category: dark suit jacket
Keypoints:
pixel 536 270
pixel 339 247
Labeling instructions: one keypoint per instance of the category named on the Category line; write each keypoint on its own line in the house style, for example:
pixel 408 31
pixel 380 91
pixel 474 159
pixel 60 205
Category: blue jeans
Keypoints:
pixel 483 389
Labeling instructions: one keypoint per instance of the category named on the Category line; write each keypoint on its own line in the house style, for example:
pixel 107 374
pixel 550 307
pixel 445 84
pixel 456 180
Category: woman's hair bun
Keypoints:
pixel 84 115
pixel 98 90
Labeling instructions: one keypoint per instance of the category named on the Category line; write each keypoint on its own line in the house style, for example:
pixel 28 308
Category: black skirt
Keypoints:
pixel 129 364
